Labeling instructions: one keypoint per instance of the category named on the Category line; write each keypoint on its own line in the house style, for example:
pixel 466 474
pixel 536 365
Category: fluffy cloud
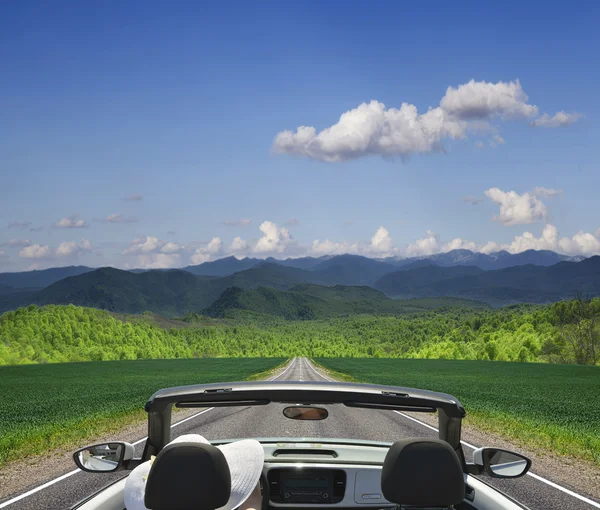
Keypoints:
pixel 242 222
pixel 327 247
pixel 133 198
pixel 274 240
pixel 547 192
pixel 472 200
pixel 428 245
pixel 557 120
pixel 582 243
pixel 482 100
pixel 35 251
pixel 517 209
pixel 490 247
pixel 71 222
pixel 19 224
pixel 70 248
pixel 458 244
pixel 381 245
pixel 141 245
pixel 208 252
pixel 238 246
pixel 372 128
pixel 170 247
pixel 118 218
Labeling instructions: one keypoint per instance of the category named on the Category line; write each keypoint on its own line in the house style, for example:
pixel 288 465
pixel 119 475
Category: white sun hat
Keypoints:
pixel 245 459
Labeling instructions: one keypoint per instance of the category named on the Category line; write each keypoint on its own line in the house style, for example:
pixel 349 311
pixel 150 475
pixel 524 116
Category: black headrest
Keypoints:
pixel 187 476
pixel 422 472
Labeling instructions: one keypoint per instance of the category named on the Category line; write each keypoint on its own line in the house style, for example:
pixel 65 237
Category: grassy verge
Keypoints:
pixel 548 407
pixel 62 405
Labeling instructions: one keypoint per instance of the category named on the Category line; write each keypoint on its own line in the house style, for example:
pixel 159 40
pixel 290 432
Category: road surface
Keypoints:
pixel 268 421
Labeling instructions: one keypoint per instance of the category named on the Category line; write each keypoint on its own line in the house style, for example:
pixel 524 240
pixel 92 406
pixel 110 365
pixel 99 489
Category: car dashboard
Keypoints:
pixel 301 474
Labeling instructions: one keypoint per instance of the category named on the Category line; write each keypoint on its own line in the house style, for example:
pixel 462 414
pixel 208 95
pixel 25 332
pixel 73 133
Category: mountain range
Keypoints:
pixel 176 292
pixel 227 266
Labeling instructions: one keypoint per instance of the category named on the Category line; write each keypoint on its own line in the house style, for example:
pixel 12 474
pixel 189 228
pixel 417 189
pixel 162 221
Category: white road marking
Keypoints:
pixel 75 471
pixel 468 445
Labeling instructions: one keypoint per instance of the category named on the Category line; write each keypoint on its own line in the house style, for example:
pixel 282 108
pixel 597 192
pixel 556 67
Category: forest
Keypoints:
pixel 563 332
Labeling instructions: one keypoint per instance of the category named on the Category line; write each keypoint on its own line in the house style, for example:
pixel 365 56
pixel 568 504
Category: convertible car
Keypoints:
pixel 320 472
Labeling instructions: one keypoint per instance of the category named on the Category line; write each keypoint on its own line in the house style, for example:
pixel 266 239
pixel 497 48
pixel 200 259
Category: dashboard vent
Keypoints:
pixel 339 485
pixel 303 452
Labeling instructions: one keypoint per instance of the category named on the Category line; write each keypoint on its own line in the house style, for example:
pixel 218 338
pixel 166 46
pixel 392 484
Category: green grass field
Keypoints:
pixel 553 407
pixel 61 405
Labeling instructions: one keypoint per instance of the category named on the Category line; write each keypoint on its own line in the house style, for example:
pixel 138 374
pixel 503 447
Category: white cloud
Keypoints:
pixel 425 246
pixel 242 222
pixel 472 200
pixel 70 248
pixel 381 243
pixel 146 244
pixel 19 224
pixel 238 246
pixel 482 100
pixel 292 222
pixel 557 120
pixel 71 222
pixel 490 247
pixel 133 198
pixel 479 145
pixel 170 247
pixel 546 192
pixel 158 261
pixel 581 243
pixel 19 243
pixel 328 247
pixel 118 218
pixel 208 252
pixel 527 241
pixel 517 209
pixel 35 251
pixel 275 239
pixel 371 128
pixel 458 244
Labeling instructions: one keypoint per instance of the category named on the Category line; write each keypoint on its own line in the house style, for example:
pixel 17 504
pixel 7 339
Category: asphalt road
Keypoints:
pixel 268 421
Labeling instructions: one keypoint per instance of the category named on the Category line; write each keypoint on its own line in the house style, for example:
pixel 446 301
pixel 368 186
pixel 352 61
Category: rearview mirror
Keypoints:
pixel 305 413
pixel 501 463
pixel 104 457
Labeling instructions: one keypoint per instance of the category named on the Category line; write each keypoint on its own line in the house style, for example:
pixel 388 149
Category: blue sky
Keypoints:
pixel 180 105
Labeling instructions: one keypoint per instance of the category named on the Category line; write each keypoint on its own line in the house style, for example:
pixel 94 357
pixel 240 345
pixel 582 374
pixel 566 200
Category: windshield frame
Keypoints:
pixel 371 396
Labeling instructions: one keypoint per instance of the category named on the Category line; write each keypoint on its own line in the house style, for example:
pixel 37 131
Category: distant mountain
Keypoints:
pixel 309 301
pixel 223 267
pixel 496 260
pixel 300 263
pixel 168 292
pixel 528 283
pixel 40 279
pixel 350 270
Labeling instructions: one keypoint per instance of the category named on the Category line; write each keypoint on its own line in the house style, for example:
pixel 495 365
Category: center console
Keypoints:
pixel 298 485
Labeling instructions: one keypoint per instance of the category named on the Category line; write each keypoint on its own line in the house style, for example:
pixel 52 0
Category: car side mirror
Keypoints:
pixel 499 463
pixel 105 457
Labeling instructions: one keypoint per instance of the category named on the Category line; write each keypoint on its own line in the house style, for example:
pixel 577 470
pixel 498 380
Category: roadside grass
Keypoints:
pixel 547 407
pixel 63 405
